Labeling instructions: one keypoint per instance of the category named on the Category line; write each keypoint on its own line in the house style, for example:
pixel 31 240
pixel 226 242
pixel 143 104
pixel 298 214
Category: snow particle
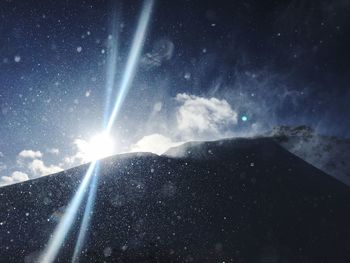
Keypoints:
pixel 107 252
pixel 17 58
pixel 157 107
pixel 187 75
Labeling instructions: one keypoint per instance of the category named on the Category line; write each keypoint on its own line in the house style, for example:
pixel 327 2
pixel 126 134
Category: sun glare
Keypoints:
pixel 100 146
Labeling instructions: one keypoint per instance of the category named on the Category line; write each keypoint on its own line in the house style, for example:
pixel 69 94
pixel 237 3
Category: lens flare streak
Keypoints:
pixel 112 55
pixel 133 58
pixel 87 216
pixel 62 229
pixel 65 224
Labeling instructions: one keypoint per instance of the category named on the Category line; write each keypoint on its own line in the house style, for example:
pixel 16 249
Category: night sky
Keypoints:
pixel 265 63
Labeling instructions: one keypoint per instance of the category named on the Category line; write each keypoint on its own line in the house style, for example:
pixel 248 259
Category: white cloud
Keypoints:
pixel 19 176
pixel 155 143
pixel 81 155
pixel 39 168
pixel 15 177
pixel 54 151
pixel 32 163
pixel 1 154
pixel 208 117
pixel 82 149
pixel 197 118
pixel 30 154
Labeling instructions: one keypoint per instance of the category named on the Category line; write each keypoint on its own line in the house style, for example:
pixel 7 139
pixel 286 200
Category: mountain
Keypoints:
pixel 237 200
pixel 328 153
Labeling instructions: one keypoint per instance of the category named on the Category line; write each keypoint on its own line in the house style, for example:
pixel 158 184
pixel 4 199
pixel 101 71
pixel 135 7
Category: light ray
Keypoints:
pixel 65 224
pixel 112 55
pixel 87 216
pixel 132 61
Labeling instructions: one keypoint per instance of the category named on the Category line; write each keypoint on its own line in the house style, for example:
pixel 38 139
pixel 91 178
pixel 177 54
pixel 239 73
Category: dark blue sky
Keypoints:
pixel 278 62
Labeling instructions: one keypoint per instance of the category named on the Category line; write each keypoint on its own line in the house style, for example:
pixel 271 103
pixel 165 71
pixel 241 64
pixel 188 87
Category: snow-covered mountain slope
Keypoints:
pixel 329 154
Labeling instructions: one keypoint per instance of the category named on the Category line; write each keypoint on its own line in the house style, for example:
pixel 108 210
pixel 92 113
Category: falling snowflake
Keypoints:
pixel 17 58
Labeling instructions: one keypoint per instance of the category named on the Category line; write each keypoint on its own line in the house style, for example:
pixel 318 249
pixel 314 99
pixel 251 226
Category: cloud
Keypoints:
pixel 82 153
pixel 39 168
pixel 54 151
pixel 1 154
pixel 199 117
pixel 155 143
pixel 30 154
pixel 31 162
pixel 15 177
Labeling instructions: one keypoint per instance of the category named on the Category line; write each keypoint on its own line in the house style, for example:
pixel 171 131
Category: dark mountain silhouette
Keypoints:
pixel 240 200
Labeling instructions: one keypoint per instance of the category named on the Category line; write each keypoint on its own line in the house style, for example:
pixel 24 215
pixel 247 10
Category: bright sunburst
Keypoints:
pixel 100 146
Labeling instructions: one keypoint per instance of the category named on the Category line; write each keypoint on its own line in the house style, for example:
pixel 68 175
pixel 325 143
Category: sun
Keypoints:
pixel 100 146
